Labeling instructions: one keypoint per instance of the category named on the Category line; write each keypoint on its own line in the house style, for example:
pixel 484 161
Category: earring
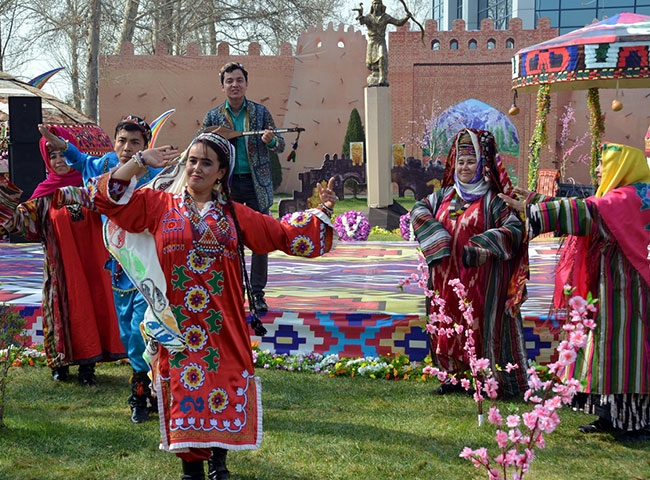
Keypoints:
pixel 218 185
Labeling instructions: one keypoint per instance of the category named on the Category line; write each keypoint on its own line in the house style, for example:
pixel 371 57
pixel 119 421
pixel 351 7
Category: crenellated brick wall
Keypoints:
pixel 319 84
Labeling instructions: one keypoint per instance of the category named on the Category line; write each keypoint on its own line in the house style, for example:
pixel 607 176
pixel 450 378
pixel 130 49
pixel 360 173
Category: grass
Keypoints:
pixel 315 427
pixel 360 204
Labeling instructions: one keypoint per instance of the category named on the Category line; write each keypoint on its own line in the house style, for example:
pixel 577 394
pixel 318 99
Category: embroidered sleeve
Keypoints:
pixel 23 219
pixel 134 210
pixel 304 234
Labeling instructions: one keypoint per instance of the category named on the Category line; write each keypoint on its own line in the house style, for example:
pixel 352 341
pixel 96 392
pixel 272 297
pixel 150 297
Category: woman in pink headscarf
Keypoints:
pixel 79 321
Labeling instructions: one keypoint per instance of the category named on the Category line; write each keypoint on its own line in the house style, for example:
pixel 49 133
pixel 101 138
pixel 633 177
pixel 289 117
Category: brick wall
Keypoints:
pixel 319 84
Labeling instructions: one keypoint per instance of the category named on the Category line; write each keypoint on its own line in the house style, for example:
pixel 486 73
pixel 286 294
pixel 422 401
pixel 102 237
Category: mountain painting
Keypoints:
pixel 473 113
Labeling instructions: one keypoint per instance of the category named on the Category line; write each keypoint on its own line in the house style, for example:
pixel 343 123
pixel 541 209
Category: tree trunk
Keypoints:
pixel 77 96
pixel 92 75
pixel 128 25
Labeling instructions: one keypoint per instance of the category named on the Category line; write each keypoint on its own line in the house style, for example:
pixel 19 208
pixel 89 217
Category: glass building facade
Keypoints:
pixel 568 15
pixel 498 10
pixel 565 15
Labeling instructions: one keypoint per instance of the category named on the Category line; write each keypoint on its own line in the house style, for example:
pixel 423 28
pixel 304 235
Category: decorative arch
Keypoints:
pixel 473 113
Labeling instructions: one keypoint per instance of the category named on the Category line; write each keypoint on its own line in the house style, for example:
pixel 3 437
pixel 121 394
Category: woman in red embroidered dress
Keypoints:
pixel 79 320
pixel 467 232
pixel 209 397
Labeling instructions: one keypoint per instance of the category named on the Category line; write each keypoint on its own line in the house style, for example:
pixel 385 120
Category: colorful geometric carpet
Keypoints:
pixel 346 303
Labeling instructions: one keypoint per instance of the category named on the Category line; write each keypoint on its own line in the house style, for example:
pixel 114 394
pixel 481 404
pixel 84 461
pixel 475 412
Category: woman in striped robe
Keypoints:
pixel 467 232
pixel 615 365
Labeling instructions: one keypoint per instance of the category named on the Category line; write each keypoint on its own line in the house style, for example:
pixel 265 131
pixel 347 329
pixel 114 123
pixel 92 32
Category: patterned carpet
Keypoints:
pixel 346 302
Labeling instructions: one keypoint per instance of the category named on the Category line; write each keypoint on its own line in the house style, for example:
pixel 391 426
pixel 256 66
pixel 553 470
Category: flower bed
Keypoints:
pixel 393 367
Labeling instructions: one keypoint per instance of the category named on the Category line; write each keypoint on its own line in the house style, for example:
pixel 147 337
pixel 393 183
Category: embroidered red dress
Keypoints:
pixel 208 394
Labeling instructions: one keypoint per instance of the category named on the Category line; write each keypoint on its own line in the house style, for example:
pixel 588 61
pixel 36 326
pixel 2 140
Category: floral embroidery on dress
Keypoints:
pixel 302 246
pixel 173 224
pixel 218 400
pixel 196 298
pixel 192 376
pixel 299 219
pixel 196 338
pixel 198 262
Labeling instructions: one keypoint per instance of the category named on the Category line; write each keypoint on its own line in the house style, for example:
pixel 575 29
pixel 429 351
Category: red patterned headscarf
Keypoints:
pixel 489 162
pixel 53 181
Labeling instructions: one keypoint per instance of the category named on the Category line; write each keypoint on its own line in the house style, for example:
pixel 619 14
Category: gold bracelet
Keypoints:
pixel 65 149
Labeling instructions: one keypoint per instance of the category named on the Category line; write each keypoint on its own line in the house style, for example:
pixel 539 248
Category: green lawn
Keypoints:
pixel 315 428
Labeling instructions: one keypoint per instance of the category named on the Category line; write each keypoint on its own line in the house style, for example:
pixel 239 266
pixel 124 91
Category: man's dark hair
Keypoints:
pixel 231 67
pixel 132 123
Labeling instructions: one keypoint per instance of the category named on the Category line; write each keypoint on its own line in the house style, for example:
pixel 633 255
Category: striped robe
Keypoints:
pixel 615 365
pixel 478 245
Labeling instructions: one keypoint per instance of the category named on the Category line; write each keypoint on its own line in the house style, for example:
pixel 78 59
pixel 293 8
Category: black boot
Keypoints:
pixel 193 471
pixel 140 393
pixel 217 465
pixel 60 374
pixel 87 375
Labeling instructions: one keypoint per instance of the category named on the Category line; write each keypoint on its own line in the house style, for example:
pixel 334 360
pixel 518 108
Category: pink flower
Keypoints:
pixel 530 419
pixel 553 403
pixel 482 364
pixel 578 338
pixel 567 357
pixel 513 421
pixel 494 416
pixel 502 438
pixel 577 303
pixel 478 457
pixel 429 370
pixel 510 367
pixel 589 324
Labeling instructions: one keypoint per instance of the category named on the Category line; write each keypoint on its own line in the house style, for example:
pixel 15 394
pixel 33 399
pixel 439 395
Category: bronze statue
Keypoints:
pixel 377 52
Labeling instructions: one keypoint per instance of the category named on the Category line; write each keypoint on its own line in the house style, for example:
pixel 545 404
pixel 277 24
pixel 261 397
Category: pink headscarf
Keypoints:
pixel 53 181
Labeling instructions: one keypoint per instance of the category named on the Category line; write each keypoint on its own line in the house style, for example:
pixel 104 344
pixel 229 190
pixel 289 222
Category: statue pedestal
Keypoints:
pixel 382 211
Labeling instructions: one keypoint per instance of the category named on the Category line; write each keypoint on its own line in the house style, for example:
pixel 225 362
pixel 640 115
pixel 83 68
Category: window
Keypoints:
pixel 500 11
pixel 491 44
pixel 435 45
pixel 438 10
pixel 453 45
pixel 510 43
pixel 472 44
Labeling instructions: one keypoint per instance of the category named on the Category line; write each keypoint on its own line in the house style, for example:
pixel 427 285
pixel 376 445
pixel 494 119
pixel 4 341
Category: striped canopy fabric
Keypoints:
pixel 612 53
